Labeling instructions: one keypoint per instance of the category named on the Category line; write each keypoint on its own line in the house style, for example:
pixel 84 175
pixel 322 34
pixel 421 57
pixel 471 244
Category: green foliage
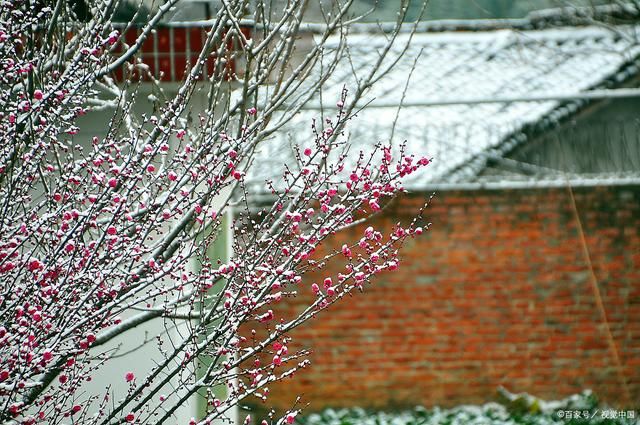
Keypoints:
pixel 518 413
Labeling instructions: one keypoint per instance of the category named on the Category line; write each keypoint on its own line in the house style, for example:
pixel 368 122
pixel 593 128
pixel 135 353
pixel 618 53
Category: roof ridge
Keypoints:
pixel 564 111
pixel 542 19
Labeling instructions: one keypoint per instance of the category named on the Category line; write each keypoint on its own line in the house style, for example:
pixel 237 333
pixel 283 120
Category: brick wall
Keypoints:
pixel 496 293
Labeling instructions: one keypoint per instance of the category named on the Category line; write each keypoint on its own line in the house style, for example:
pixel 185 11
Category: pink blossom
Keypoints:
pixel 112 205
pixel 266 316
pixel 14 408
pixel 34 265
pixel 277 361
pixel 113 37
pixel 369 232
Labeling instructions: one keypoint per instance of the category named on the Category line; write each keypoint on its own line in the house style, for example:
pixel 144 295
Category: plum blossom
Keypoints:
pixel 159 219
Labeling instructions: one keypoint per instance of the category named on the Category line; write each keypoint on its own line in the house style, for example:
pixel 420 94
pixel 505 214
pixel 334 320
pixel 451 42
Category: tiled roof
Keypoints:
pixel 449 66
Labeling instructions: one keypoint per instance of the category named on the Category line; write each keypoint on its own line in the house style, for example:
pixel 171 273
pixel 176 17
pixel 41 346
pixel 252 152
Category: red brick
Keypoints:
pixel 497 293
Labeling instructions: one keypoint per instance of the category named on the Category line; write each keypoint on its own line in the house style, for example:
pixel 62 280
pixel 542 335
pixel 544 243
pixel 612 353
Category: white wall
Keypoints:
pixel 132 353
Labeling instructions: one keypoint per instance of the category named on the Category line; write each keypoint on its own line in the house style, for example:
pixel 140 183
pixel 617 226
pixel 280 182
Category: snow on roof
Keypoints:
pixel 446 66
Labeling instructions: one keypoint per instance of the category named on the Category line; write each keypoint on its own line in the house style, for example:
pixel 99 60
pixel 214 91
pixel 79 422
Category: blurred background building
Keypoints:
pixel 529 277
